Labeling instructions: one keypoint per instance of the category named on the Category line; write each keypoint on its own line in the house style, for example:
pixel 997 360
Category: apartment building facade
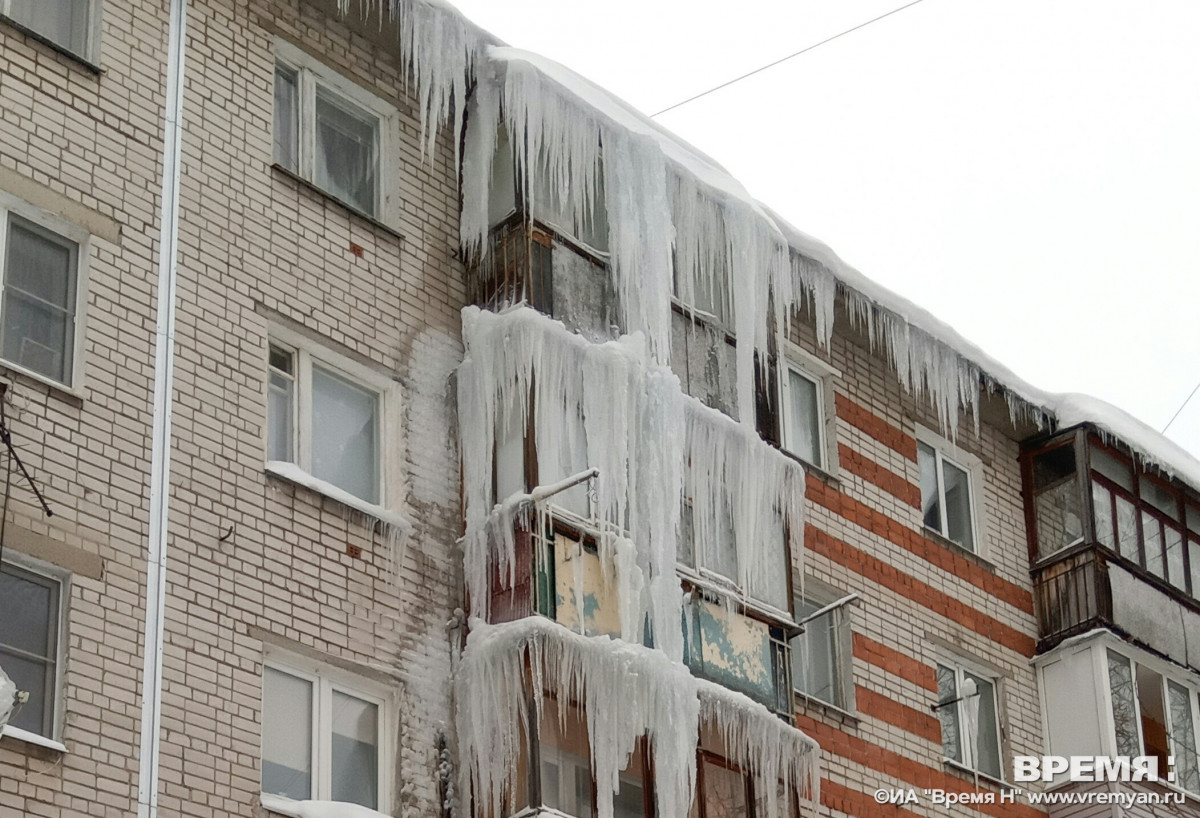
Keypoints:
pixel 740 532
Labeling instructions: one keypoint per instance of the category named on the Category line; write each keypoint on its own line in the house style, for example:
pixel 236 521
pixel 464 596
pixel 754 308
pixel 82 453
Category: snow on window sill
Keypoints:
pixel 292 473
pixel 281 805
pixel 31 738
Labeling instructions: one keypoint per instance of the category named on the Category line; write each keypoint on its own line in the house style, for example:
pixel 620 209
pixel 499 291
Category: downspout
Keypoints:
pixel 160 453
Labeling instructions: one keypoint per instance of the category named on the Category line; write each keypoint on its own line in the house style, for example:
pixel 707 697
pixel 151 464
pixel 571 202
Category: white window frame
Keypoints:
pixel 808 366
pixel 311 74
pixel 961 667
pixel 61 578
pixel 47 221
pixel 945 451
pixel 306 352
pixel 325 680
pixel 821 595
pixel 91 40
pixel 1166 673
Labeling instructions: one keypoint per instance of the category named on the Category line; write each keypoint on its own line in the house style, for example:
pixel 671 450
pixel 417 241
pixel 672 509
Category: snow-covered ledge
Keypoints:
pixel 292 473
pixel 316 809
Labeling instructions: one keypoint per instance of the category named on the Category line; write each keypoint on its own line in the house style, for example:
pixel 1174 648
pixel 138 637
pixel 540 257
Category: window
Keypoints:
pixel 821 655
pixel 962 691
pixel 66 23
pixel 325 414
pixel 948 490
pixel 30 617
pixel 323 736
pixel 1155 715
pixel 803 415
pixel 335 135
pixel 41 260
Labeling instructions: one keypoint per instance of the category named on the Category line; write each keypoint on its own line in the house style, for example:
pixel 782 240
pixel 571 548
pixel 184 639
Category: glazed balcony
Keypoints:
pixel 1112 544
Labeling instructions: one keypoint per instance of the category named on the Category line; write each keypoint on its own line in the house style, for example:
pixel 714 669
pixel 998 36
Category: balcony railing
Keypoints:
pixel 1072 594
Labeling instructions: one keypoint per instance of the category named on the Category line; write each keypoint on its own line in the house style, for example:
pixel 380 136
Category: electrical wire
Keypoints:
pixel 804 50
pixel 1186 401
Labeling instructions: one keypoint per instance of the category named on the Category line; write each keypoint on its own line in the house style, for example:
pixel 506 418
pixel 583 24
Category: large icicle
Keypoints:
pixel 606 402
pixel 778 755
pixel 627 691
pixel 440 48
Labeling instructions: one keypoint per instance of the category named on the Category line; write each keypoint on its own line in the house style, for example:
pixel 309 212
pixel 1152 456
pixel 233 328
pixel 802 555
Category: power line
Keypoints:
pixel 1186 401
pixel 804 50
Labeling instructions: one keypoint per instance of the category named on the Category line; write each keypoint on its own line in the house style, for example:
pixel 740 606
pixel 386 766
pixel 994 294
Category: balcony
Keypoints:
pixel 1112 544
pixel 558 573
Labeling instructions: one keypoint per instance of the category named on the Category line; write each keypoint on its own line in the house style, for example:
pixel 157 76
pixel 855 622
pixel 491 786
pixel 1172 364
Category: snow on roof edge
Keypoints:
pixel 1067 409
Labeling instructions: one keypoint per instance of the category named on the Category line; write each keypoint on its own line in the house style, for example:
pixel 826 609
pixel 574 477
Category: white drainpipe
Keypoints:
pixel 160 453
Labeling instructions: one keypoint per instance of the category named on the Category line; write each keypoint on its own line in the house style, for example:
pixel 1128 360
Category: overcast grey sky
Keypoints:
pixel 1027 171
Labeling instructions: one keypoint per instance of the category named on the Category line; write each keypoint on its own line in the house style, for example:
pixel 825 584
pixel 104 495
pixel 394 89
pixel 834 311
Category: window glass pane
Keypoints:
pixel 724 792
pixel 987 744
pixel 930 500
pixel 1173 540
pixel 287 119
pixel 346 151
pixel 1153 713
pixel 1152 537
pixel 64 22
pixel 566 775
pixel 1127 529
pixel 28 612
pixel 948 713
pixel 1114 469
pixel 630 799
pixel 1124 707
pixel 1193 520
pixel 1183 738
pixel 345 435
pixel 1102 504
pixel 804 418
pixel 1160 497
pixel 39 301
pixel 280 407
pixel 1194 566
pixel 355 759
pixel 1058 502
pixel 287 735
pixel 958 506
pixel 37 679
pixel 815 667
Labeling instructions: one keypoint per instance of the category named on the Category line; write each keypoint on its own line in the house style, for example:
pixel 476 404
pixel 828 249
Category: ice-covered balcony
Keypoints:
pixel 1112 543
pixel 613 519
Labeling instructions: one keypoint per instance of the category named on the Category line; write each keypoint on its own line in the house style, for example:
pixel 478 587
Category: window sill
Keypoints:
pixel 826 477
pixel 32 738
pixel 68 394
pixel 941 539
pixel 805 703
pixel 324 194
pixel 291 473
pixel 963 769
pixel 61 50
pixel 281 805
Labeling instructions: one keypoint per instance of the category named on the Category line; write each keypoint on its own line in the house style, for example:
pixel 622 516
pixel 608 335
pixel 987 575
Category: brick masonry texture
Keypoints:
pixel 258 563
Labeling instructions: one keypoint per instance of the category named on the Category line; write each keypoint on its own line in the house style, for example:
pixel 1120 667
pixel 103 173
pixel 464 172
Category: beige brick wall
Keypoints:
pixel 256 247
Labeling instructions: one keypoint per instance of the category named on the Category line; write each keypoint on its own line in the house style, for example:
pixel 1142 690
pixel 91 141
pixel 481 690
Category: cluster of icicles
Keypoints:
pixel 631 692
pixel 629 416
pixel 678 223
pixel 610 407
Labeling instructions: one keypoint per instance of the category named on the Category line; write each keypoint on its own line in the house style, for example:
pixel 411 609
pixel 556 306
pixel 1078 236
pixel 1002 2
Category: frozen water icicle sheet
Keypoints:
pixel 712 222
pixel 756 740
pixel 440 48
pixel 639 430
pixel 627 691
